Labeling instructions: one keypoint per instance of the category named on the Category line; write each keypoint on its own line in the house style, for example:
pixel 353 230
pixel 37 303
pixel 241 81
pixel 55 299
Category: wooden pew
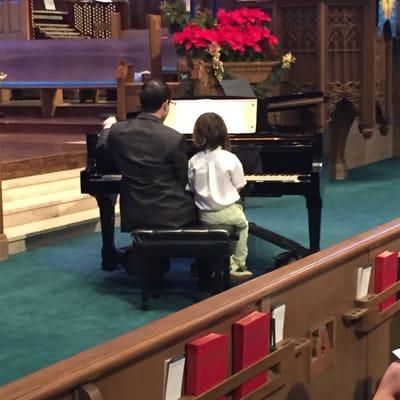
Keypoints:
pixel 127 90
pixel 3 238
pixel 92 68
pixel 319 292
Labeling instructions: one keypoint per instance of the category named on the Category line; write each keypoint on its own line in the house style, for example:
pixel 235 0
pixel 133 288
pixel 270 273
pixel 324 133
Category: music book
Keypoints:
pixel 174 369
pixel 385 275
pixel 363 278
pixel 49 5
pixel 278 314
pixel 396 353
pixel 240 115
pixel 207 363
pixel 251 336
pixel 237 87
pixel 398 273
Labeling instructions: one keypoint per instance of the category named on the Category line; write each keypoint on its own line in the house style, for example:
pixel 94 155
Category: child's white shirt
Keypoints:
pixel 215 178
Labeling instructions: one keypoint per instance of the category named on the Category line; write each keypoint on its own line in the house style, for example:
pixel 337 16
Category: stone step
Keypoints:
pixel 41 189
pixel 39 233
pixel 40 179
pixel 50 125
pixel 44 208
pixel 32 108
pixel 28 210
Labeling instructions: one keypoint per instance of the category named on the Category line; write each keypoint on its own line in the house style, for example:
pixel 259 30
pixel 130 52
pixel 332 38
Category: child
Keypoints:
pixel 216 176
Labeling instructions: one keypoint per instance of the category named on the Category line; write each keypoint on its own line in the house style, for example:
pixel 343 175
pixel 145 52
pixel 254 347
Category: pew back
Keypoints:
pixel 319 292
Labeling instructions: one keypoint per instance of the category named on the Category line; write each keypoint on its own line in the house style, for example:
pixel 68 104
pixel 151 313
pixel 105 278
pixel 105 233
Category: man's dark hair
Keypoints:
pixel 153 94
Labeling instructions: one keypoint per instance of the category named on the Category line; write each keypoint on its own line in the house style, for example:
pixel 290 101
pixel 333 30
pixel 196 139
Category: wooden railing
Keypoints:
pixel 319 292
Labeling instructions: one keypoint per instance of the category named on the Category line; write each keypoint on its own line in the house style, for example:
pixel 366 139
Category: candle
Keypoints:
pixel 214 8
pixel 192 8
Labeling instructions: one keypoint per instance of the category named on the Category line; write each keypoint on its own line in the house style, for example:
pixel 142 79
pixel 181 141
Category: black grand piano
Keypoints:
pixel 277 161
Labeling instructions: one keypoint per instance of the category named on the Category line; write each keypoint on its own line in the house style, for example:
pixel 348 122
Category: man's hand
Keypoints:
pixel 109 122
pixel 390 383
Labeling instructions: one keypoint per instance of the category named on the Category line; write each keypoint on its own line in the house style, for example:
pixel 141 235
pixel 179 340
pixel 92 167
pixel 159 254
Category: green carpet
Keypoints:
pixel 55 301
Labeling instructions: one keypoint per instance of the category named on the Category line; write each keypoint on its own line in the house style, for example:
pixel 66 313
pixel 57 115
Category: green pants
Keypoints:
pixel 231 215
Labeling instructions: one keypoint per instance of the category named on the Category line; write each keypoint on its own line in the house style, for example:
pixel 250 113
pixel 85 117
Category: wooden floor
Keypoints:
pixel 31 153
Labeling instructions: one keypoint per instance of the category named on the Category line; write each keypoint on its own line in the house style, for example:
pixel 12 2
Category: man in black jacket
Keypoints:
pixel 152 160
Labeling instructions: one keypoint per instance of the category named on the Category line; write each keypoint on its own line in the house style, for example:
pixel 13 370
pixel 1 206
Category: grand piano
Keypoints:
pixel 277 161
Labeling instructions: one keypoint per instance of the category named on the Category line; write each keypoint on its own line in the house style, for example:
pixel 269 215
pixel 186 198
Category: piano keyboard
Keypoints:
pixel 287 178
pixel 277 178
pixel 111 178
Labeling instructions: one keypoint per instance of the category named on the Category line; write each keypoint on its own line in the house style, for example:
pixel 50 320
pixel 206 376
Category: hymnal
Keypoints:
pixel 207 363
pixel 251 337
pixel 385 275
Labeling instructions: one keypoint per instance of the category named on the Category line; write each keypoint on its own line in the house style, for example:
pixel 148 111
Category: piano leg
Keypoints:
pixel 314 208
pixel 278 240
pixel 106 205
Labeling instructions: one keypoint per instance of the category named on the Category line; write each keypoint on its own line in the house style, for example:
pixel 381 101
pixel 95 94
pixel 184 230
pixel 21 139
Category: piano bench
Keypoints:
pixel 211 244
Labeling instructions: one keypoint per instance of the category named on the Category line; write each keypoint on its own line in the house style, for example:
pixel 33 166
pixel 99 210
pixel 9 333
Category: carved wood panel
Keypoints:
pixel 298 34
pixel 14 16
pixel 380 74
pixel 344 67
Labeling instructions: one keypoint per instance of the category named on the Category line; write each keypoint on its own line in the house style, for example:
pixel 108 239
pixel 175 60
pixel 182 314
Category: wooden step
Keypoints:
pixel 41 25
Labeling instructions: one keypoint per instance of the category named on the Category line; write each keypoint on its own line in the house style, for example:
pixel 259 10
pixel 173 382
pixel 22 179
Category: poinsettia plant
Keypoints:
pixel 239 35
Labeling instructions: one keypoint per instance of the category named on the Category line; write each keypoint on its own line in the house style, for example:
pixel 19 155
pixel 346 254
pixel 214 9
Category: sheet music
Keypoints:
pixel 278 314
pixel 240 115
pixel 396 352
pixel 49 4
pixel 363 278
pixel 174 369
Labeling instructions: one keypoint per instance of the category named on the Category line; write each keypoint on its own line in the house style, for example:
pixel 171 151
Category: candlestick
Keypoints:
pixel 192 8
pixel 214 8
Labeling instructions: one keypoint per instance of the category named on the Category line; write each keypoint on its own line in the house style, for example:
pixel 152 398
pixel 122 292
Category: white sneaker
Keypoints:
pixel 241 274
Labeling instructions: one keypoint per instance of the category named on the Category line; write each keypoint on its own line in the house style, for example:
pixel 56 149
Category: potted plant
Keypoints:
pixel 239 44
pixel 174 14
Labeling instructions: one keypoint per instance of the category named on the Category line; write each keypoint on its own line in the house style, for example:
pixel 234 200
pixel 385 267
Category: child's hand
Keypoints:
pixel 390 383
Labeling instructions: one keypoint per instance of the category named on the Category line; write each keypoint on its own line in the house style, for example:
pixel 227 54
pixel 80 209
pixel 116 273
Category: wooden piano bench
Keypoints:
pixel 211 245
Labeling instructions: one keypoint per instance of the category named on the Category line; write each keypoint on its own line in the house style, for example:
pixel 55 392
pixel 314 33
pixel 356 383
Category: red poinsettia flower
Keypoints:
pixel 241 34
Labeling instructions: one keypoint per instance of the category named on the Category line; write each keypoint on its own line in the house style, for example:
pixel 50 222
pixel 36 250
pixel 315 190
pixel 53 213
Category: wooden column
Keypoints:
pixel 50 99
pixel 123 74
pixel 115 25
pixel 367 112
pixel 154 23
